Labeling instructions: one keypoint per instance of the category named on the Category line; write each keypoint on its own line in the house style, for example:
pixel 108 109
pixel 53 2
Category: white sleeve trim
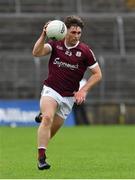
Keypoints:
pixel 50 47
pixel 94 65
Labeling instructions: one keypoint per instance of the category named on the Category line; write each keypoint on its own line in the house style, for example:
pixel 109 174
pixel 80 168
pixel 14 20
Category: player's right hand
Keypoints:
pixel 45 27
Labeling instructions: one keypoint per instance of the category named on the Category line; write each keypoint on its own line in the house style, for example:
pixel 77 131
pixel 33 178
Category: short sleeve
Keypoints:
pixel 50 44
pixel 90 58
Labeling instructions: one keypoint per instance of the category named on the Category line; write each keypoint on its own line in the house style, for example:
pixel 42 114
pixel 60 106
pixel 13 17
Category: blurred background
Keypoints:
pixel 109 31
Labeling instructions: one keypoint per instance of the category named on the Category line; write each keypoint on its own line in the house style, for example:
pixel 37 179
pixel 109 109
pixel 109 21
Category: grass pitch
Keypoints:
pixel 98 152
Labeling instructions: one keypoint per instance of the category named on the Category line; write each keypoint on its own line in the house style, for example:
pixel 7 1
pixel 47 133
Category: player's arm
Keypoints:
pixel 40 48
pixel 95 77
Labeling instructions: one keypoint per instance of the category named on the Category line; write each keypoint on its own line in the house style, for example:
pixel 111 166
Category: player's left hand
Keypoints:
pixel 80 96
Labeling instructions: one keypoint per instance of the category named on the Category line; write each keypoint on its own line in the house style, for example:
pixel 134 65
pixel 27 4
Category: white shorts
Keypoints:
pixel 65 104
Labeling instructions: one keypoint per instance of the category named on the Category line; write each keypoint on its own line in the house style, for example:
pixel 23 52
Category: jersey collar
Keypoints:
pixel 70 47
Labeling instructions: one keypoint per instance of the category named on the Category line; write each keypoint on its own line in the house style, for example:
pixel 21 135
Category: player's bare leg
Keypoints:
pixel 56 124
pixel 48 109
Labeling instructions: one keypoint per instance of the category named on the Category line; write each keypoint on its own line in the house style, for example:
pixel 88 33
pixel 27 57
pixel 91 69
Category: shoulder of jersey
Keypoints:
pixel 84 46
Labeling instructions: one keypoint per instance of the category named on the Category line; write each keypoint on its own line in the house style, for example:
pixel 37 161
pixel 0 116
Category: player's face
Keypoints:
pixel 73 35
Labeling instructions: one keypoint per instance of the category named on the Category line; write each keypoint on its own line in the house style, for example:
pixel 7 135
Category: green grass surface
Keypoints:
pixel 76 152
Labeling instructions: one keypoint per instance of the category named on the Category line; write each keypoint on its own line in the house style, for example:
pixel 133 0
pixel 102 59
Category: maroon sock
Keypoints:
pixel 41 152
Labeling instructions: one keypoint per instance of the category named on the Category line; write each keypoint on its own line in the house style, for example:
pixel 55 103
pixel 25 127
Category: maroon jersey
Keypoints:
pixel 67 66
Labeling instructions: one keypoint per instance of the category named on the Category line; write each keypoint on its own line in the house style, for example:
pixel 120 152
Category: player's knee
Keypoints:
pixel 46 120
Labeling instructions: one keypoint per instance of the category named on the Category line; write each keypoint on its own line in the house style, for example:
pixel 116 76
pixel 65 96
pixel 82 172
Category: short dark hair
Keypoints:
pixel 74 21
